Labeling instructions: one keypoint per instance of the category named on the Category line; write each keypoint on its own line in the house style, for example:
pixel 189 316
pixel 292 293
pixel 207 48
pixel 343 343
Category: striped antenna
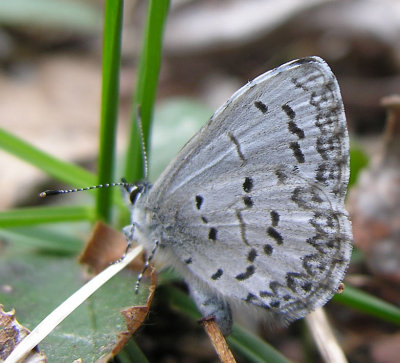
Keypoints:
pixel 47 193
pixel 142 143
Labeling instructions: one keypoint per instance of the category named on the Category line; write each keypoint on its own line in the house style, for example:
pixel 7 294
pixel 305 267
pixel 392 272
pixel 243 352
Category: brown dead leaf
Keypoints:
pixel 134 317
pixel 11 334
pixel 105 246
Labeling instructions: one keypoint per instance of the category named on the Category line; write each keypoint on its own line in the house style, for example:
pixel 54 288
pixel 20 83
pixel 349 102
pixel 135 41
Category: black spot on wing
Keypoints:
pixel 217 274
pixel 248 184
pixel 261 106
pixel 275 304
pixel 248 202
pixel 273 233
pixel 293 280
pixel 212 234
pixel 307 286
pixel 268 249
pixel 298 154
pixel 252 255
pixel 289 111
pixel 199 201
pixel 245 275
pixel 294 129
pixel 250 297
pixel 265 294
pixel 274 218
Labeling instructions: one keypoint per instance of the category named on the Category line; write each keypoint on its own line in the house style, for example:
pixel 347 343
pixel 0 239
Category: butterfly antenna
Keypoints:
pixel 47 193
pixel 146 265
pixel 142 143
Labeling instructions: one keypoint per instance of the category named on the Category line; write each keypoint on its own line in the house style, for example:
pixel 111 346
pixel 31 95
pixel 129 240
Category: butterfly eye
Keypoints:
pixel 138 189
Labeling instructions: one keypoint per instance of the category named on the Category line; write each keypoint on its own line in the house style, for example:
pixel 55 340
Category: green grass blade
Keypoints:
pixel 37 215
pixel 146 88
pixel 109 104
pixel 61 170
pixel 43 239
pixel 368 304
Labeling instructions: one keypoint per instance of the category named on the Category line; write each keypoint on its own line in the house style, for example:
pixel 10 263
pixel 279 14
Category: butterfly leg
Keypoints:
pixel 128 232
pixel 211 305
pixel 146 265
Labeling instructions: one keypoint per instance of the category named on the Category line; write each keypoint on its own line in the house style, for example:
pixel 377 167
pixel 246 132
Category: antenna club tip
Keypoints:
pixel 46 193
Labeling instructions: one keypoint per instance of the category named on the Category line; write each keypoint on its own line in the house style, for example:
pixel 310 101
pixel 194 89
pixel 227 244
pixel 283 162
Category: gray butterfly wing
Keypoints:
pixel 253 205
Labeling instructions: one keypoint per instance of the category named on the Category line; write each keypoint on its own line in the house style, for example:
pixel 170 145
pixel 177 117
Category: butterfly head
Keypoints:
pixel 134 191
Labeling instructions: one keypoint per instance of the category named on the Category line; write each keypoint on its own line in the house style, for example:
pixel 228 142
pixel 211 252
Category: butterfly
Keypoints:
pixel 251 210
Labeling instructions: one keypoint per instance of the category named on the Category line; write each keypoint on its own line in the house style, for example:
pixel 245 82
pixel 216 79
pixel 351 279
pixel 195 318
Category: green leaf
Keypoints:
pixel 175 122
pixel 40 283
pixel 61 239
pixel 358 161
pixel 74 16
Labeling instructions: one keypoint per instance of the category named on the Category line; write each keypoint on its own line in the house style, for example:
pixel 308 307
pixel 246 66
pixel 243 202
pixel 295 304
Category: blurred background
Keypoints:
pixel 50 88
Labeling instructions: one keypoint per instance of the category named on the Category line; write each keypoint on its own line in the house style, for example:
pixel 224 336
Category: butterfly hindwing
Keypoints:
pixel 253 205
